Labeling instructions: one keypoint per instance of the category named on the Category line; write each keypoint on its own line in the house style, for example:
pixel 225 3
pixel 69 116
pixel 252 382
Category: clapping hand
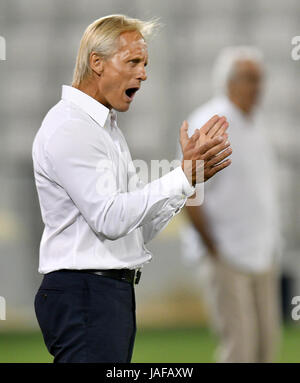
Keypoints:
pixel 205 152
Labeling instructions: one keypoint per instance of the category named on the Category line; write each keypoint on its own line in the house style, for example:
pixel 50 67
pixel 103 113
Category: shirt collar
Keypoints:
pixel 88 104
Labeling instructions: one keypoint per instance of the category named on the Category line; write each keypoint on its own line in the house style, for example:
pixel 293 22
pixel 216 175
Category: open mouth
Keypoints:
pixel 130 92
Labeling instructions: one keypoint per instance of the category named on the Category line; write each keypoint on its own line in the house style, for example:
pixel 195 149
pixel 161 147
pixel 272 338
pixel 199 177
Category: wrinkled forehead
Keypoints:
pixel 131 43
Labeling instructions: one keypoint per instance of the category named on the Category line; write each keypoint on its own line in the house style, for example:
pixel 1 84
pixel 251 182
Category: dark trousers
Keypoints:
pixel 86 318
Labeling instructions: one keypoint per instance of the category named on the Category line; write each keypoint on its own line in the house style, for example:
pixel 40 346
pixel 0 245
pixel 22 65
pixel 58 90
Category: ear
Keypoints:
pixel 96 63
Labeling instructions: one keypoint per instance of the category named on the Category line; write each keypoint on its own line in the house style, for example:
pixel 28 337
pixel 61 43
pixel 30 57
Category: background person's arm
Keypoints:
pixel 201 223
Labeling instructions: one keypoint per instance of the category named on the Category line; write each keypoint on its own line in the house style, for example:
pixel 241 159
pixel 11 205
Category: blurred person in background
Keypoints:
pixel 237 226
pixel 98 216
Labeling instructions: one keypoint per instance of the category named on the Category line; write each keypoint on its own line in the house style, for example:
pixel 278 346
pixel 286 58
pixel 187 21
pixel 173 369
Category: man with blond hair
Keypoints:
pixel 97 220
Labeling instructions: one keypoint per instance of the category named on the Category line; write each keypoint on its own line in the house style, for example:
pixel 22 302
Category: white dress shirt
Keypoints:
pixel 241 201
pixel 96 211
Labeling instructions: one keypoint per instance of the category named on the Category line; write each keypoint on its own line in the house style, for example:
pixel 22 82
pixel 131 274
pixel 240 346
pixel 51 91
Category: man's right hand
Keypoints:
pixel 210 145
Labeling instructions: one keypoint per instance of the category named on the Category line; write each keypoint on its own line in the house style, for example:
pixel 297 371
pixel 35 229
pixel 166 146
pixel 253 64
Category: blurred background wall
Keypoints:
pixel 42 38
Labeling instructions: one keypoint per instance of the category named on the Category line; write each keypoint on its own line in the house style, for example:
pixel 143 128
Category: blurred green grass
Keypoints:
pixel 152 345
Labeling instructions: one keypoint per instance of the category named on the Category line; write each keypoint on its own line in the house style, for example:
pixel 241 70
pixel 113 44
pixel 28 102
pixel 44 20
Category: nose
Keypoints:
pixel 142 75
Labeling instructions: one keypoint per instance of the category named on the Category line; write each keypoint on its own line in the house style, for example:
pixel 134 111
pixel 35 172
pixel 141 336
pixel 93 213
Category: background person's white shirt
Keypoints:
pixel 97 213
pixel 241 202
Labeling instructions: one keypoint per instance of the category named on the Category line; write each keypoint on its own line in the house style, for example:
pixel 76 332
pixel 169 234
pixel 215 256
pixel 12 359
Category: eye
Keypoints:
pixel 134 61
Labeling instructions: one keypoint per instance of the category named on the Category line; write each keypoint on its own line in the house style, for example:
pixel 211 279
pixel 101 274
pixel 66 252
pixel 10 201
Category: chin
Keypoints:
pixel 122 108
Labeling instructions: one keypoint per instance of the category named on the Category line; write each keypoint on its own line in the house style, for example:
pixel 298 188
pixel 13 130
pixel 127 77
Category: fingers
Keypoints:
pixel 216 127
pixel 210 123
pixel 191 143
pixel 215 169
pixel 219 157
pixel 216 149
pixel 204 148
pixel 222 130
pixel 219 128
pixel 196 135
pixel 184 138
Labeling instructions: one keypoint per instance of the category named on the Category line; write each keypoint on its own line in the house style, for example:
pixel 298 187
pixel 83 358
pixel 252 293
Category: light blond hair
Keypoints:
pixel 100 37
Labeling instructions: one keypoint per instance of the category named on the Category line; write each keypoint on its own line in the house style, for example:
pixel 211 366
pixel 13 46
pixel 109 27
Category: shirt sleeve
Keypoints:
pixel 170 208
pixel 154 227
pixel 80 162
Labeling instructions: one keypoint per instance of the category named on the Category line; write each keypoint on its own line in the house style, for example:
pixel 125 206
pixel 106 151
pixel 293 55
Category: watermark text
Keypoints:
pixel 296 309
pixel 295 53
pixel 2 308
pixel 2 48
